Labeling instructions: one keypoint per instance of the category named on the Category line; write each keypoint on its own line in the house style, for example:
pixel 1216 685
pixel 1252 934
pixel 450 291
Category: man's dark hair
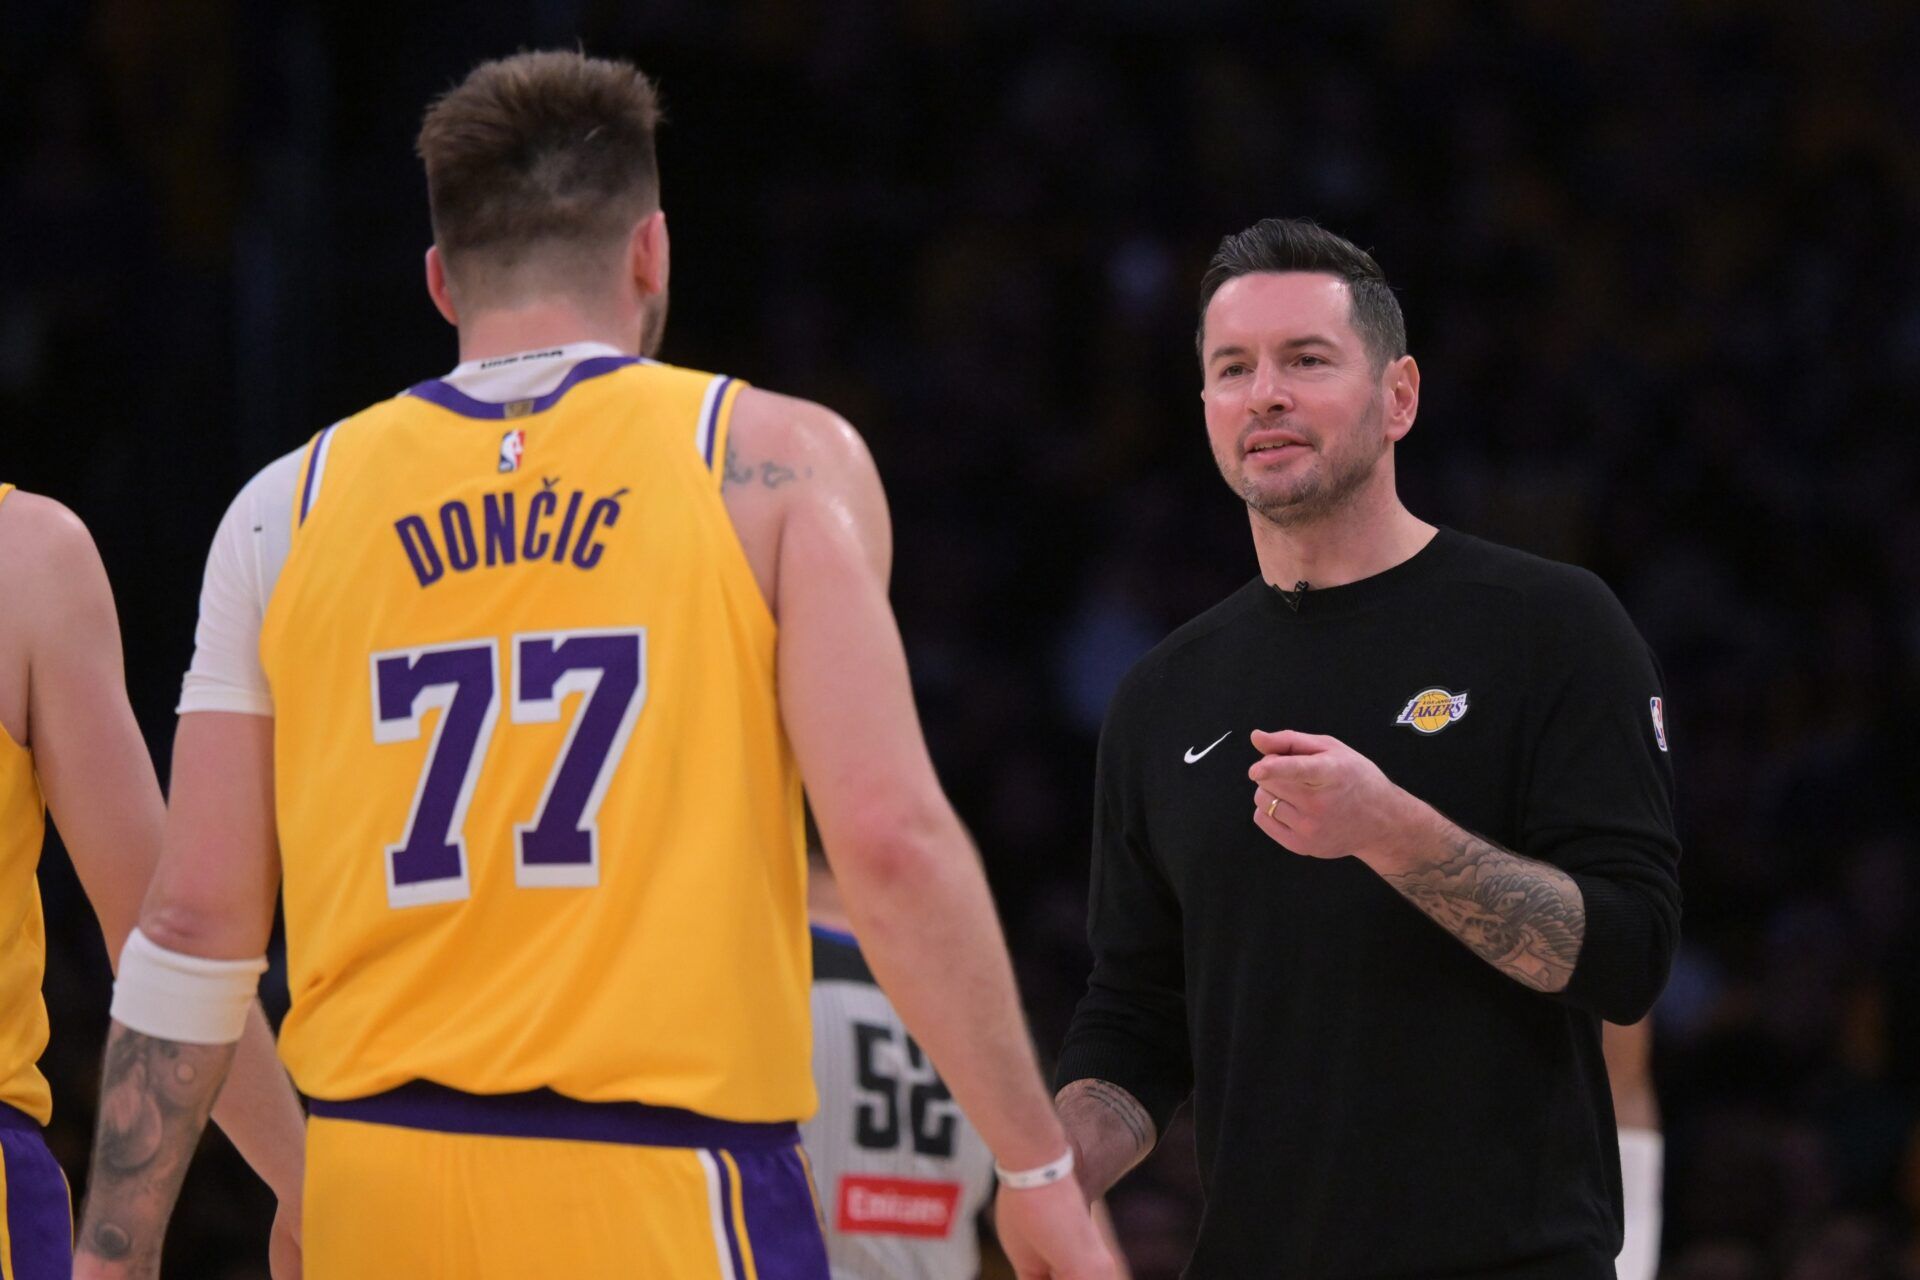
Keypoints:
pixel 1298 244
pixel 542 153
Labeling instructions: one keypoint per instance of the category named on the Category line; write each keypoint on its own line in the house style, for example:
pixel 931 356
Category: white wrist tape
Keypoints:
pixel 190 999
pixel 1641 1152
pixel 1028 1179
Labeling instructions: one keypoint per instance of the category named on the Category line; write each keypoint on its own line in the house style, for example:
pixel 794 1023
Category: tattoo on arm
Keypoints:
pixel 736 473
pixel 155 1096
pixel 1525 918
pixel 1110 1131
pixel 770 474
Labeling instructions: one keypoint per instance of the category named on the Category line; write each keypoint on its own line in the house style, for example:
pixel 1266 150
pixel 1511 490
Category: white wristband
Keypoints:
pixel 190 999
pixel 1027 1179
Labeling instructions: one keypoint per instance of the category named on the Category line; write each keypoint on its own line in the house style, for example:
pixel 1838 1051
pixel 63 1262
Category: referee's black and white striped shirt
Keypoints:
pixel 903 1176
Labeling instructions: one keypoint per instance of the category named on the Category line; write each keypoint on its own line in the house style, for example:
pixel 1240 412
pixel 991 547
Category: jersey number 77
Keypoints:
pixel 559 845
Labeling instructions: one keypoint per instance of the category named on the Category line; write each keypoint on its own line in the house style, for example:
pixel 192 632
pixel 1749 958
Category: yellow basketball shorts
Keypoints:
pixel 428 1183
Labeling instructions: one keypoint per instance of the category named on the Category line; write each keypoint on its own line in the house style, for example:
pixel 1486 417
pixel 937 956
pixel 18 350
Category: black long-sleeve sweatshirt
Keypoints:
pixel 1372 1099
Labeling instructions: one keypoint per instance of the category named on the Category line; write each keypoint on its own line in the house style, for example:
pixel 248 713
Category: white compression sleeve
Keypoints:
pixel 190 999
pixel 1642 1154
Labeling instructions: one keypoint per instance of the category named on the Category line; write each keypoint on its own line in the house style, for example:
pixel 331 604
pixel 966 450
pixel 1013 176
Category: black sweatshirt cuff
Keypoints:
pixel 1161 1093
pixel 1617 975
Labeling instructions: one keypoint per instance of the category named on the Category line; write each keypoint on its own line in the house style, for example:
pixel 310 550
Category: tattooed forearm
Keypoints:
pixel 155 1096
pixel 1524 918
pixel 1110 1131
pixel 770 474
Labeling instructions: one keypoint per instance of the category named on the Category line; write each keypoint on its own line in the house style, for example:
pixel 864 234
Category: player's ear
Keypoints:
pixel 647 253
pixel 1402 395
pixel 437 288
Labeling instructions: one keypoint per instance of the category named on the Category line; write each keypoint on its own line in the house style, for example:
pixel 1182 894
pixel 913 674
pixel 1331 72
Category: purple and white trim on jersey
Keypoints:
pixel 709 429
pixel 316 468
pixel 439 391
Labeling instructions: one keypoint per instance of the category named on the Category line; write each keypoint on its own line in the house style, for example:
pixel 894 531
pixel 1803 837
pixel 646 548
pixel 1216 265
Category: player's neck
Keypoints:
pixel 1364 537
pixel 503 331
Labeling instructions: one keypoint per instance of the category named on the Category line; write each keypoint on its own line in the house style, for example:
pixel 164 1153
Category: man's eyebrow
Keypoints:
pixel 1291 344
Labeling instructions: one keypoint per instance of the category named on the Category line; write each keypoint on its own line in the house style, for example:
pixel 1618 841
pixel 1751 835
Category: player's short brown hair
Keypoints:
pixel 1299 244
pixel 541 157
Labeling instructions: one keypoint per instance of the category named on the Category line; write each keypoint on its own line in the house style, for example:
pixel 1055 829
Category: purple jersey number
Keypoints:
pixel 560 847
pixel 462 680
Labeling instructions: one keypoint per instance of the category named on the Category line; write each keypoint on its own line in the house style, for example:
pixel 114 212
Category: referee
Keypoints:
pixel 1379 840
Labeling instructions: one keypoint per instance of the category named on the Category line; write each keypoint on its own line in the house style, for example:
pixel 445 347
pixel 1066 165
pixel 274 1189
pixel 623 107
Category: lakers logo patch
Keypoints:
pixel 512 446
pixel 1432 710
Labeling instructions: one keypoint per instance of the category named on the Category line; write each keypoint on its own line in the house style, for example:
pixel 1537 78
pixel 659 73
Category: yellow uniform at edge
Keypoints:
pixel 673 969
pixel 23 934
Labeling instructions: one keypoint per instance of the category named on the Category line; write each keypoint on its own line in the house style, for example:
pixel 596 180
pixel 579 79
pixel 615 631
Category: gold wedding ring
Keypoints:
pixel 1274 804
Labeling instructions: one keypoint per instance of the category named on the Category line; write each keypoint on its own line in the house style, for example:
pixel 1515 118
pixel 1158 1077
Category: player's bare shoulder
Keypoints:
pixel 38 537
pixel 789 459
pixel 777 441
pixel 51 580
pixel 46 555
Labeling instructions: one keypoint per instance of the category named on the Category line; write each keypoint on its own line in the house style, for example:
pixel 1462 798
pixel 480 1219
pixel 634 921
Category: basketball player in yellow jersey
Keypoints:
pixel 68 741
pixel 526 667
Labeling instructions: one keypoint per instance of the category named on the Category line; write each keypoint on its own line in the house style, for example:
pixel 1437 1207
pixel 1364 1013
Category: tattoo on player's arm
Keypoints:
pixel 1124 1108
pixel 1110 1131
pixel 155 1097
pixel 1525 918
pixel 736 473
pixel 770 474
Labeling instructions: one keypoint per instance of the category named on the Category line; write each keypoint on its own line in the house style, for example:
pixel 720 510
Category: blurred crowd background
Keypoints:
pixel 1659 263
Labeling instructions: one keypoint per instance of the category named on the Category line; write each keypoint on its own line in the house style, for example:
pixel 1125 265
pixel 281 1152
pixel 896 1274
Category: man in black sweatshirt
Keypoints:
pixel 1378 842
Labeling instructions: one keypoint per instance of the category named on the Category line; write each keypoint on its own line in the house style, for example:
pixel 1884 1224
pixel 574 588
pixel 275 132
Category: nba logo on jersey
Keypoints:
pixel 1659 711
pixel 512 445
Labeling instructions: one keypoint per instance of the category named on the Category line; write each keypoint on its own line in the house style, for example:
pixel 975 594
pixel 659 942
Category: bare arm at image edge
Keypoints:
pixel 912 882
pixel 100 787
pixel 99 784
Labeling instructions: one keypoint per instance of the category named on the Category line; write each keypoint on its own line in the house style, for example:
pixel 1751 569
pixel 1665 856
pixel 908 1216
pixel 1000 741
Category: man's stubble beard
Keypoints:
pixel 1338 476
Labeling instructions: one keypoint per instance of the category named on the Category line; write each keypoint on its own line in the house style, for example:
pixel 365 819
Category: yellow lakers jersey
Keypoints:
pixel 539 821
pixel 23 933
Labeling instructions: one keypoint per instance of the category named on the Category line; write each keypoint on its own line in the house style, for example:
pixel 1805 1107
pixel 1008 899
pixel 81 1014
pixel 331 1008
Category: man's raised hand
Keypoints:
pixel 1318 797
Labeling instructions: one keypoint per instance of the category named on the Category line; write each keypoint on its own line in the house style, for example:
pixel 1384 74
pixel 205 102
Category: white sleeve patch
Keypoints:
pixel 249 550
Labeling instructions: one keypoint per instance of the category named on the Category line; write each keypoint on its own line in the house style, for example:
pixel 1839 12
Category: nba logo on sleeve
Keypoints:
pixel 1659 710
pixel 512 445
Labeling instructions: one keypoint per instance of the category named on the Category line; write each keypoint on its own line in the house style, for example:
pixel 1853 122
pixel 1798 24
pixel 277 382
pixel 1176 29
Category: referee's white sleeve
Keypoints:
pixel 248 551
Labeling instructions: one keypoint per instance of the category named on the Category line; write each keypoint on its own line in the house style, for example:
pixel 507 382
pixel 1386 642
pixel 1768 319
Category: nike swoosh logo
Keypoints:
pixel 1193 755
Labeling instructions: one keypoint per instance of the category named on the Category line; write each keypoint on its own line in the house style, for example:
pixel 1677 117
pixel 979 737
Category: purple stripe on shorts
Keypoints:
pixel 739 1271
pixel 542 1113
pixel 447 396
pixel 782 1227
pixel 313 472
pixel 39 1212
pixel 710 429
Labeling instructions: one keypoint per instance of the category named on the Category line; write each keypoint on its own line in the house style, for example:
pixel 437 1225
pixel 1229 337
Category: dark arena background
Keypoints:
pixel 1661 267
